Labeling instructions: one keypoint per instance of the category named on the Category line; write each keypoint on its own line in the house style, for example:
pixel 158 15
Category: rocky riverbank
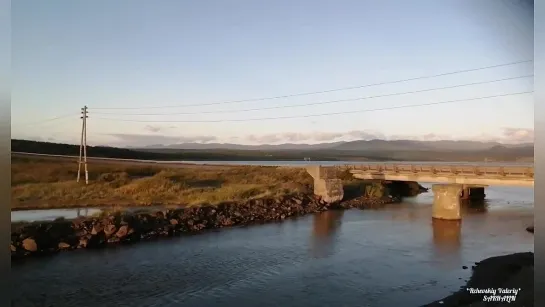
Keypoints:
pixel 127 227
pixel 497 281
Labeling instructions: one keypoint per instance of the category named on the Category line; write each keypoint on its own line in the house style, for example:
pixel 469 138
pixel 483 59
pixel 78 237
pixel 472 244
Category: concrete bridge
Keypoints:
pixel 453 182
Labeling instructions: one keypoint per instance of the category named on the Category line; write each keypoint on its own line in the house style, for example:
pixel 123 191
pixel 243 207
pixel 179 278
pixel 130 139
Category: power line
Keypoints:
pixel 312 115
pixel 323 91
pixel 317 103
pixel 49 120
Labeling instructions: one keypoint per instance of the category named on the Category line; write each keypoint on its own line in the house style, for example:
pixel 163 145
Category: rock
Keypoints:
pixel 141 225
pixel 227 222
pixel 113 240
pixel 81 233
pixel 63 245
pixel 122 232
pixel 30 245
pixel 97 240
pixel 109 230
pixel 464 267
pixel 97 229
pixel 82 243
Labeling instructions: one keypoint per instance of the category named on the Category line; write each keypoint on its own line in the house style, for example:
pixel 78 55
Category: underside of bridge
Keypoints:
pixel 448 198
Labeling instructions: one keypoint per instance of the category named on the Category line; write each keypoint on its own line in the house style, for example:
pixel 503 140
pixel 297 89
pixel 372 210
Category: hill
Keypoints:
pixel 375 150
pixel 360 145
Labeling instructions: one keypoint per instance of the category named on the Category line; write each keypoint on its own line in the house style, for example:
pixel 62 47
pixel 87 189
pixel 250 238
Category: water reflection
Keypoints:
pixel 325 226
pixel 474 206
pixel 447 241
pixel 51 214
pixel 447 235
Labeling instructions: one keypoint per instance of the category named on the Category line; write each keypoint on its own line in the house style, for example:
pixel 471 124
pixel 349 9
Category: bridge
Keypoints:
pixel 452 182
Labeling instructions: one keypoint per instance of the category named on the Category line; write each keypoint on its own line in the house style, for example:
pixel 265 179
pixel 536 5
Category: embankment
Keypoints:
pixel 125 227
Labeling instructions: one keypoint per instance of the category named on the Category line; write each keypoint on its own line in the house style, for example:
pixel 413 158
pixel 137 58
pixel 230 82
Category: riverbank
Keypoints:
pixel 493 281
pixel 39 183
pixel 119 227
pixel 191 199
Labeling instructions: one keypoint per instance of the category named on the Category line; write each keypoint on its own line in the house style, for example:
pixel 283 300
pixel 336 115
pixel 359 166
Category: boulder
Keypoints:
pixel 97 229
pixel 64 245
pixel 109 230
pixel 29 244
pixel 82 243
pixel 122 232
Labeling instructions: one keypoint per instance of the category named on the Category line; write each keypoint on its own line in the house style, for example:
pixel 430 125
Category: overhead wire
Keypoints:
pixel 314 115
pixel 47 120
pixel 318 92
pixel 316 103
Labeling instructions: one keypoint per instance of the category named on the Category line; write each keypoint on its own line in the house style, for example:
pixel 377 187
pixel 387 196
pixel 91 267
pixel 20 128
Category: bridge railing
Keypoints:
pixel 501 171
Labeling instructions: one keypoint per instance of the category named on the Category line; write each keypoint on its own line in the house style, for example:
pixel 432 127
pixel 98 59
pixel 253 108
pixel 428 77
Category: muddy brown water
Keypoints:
pixel 395 256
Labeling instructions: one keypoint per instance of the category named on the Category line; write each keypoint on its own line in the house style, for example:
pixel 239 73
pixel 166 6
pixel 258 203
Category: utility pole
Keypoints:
pixel 83 145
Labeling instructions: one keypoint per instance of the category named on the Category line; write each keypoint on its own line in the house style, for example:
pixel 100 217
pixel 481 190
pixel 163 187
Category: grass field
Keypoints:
pixel 51 183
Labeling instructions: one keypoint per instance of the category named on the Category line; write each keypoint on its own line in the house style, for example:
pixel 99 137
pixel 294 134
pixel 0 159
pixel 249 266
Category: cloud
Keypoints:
pixel 508 135
pixel 157 128
pixel 311 137
pixel 518 135
pixel 424 137
pixel 148 139
pixel 153 128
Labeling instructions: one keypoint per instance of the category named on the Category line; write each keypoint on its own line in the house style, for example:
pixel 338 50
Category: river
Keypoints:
pixel 395 256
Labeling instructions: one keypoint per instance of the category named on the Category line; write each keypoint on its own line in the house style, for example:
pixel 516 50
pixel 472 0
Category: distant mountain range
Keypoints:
pixel 361 145
pixel 373 150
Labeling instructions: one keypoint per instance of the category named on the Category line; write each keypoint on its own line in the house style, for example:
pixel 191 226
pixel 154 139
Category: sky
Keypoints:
pixel 161 56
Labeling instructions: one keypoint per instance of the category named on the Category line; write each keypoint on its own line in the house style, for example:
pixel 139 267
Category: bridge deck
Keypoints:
pixel 463 174
pixel 449 170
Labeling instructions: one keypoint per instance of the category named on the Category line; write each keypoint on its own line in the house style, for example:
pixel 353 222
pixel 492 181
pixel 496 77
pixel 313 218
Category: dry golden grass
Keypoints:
pixel 50 183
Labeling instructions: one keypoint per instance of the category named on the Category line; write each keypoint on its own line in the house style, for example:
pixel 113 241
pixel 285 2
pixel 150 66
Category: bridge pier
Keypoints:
pixel 473 192
pixel 446 202
pixel 326 186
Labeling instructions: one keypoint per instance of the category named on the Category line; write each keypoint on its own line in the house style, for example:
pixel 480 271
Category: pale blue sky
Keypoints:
pixel 136 53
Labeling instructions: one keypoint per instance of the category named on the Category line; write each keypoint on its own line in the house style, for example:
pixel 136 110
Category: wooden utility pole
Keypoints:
pixel 83 145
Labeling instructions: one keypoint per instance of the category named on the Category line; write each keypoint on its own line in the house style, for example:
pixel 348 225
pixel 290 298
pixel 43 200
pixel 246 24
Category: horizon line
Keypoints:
pixel 287 143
